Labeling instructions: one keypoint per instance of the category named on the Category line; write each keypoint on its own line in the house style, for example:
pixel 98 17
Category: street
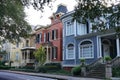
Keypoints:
pixel 13 76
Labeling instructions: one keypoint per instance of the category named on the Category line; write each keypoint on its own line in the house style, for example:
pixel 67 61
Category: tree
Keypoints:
pixel 90 10
pixel 93 10
pixel 37 4
pixel 12 20
pixel 40 56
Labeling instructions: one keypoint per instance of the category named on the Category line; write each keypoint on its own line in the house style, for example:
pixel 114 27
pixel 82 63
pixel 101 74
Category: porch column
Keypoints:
pixel 118 47
pixel 27 55
pixel 100 47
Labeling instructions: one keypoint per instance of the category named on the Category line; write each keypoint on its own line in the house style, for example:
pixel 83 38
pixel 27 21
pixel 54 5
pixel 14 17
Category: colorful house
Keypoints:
pixel 27 51
pixel 79 41
pixel 13 56
pixel 50 37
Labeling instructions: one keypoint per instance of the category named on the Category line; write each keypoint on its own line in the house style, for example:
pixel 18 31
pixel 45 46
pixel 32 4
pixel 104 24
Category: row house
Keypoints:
pixel 27 51
pixel 79 41
pixel 13 50
pixel 50 37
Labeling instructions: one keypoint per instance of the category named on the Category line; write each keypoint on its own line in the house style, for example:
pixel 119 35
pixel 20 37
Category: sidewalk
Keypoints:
pixel 52 76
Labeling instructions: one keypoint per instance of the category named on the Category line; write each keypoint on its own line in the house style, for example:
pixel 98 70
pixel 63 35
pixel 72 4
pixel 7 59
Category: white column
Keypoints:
pixel 100 47
pixel 75 28
pixel 118 47
pixel 27 55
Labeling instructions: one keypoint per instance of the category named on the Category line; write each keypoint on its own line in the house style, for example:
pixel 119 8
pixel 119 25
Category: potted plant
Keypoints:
pixel 107 59
pixel 82 62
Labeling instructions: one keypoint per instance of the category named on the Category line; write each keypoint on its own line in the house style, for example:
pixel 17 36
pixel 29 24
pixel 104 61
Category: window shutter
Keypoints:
pixel 52 34
pixel 56 33
pixel 56 50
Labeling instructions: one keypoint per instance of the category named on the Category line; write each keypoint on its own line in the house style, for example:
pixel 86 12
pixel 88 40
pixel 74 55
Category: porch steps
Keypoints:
pixel 97 71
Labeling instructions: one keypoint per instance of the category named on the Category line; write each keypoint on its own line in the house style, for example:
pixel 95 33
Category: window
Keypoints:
pixel 54 34
pixel 17 44
pixel 17 56
pixel 54 52
pixel 69 28
pixel 44 37
pixel 86 49
pixel 70 52
pixel 81 29
pixel 27 43
pixel 48 36
pixel 38 38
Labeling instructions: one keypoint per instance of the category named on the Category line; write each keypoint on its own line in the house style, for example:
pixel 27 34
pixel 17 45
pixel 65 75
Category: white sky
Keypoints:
pixel 34 16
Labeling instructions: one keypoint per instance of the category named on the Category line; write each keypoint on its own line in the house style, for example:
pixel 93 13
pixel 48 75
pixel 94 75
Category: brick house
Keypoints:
pixel 50 37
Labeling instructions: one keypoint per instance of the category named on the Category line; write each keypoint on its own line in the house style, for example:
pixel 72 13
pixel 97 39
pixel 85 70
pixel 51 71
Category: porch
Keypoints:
pixel 108 45
pixel 28 56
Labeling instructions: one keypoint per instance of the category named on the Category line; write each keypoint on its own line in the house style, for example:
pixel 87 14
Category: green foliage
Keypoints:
pixel 50 67
pixel 92 10
pixel 27 67
pixel 5 67
pixel 107 58
pixel 42 69
pixel 116 72
pixel 82 60
pixel 54 66
pixel 37 5
pixel 40 55
pixel 60 72
pixel 12 20
pixel 76 70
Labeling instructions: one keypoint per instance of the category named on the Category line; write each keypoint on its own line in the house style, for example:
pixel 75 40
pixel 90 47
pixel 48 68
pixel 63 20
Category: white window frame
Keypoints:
pixel 81 29
pixel 44 37
pixel 67 54
pixel 69 28
pixel 40 37
pixel 81 55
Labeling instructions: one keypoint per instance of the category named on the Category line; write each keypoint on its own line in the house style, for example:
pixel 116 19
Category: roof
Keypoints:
pixel 61 9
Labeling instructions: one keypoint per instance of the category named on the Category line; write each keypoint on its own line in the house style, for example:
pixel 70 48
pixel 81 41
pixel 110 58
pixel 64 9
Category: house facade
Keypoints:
pixel 13 50
pixel 79 41
pixel 50 37
pixel 27 51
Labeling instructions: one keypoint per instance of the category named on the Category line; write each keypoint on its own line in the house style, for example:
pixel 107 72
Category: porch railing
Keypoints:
pixel 100 60
pixel 28 60
pixel 115 62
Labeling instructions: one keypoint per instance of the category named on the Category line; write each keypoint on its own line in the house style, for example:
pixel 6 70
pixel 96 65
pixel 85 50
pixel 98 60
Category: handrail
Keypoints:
pixel 115 62
pixel 99 60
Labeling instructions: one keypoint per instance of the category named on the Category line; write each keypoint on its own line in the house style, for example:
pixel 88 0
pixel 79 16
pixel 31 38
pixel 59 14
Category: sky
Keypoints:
pixel 35 17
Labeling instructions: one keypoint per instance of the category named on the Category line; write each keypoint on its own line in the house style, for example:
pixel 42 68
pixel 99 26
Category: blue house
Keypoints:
pixel 80 41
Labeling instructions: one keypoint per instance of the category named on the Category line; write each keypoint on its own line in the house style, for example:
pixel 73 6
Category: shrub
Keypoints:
pixel 42 69
pixel 28 67
pixel 5 67
pixel 107 58
pixel 116 72
pixel 53 66
pixel 76 70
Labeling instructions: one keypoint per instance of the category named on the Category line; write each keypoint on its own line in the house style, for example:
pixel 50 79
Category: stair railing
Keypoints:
pixel 115 62
pixel 93 64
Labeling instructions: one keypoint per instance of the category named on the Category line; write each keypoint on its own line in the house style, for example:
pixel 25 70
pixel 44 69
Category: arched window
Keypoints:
pixel 70 51
pixel 86 50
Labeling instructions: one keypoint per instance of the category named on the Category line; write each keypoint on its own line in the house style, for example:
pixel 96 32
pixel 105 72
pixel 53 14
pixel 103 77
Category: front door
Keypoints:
pixel 106 50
